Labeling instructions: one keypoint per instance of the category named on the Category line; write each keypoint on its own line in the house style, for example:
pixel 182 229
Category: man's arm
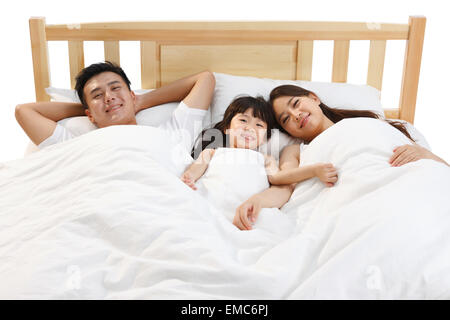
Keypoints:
pixel 38 120
pixel 196 91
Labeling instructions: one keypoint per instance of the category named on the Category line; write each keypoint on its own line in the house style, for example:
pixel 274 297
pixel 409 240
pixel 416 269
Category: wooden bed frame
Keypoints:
pixel 277 50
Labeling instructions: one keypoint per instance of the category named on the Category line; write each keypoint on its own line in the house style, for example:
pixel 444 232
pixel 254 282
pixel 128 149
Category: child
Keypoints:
pixel 245 125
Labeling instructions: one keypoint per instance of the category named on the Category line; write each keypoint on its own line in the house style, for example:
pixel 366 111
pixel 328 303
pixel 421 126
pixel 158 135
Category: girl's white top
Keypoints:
pixel 233 176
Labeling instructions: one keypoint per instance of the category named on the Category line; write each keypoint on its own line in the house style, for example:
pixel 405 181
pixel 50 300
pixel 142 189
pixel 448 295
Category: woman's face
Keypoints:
pixel 246 131
pixel 301 117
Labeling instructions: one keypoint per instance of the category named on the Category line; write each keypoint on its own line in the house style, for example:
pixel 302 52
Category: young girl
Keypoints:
pixel 245 125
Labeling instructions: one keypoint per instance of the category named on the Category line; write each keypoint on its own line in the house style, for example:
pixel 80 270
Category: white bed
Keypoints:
pixel 103 216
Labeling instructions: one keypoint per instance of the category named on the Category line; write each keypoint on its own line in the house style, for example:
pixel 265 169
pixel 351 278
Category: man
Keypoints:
pixel 106 98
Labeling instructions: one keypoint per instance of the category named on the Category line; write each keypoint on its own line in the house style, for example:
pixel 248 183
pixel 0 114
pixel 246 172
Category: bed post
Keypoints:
pixel 411 68
pixel 40 57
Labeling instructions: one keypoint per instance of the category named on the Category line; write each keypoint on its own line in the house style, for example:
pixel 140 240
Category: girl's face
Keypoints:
pixel 301 117
pixel 246 131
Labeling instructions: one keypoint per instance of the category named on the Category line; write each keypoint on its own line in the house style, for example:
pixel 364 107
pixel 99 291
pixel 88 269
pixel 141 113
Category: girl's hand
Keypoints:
pixel 247 213
pixel 187 179
pixel 409 153
pixel 327 173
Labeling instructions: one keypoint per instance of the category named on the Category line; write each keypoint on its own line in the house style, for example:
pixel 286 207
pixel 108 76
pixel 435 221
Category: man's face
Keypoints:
pixel 109 100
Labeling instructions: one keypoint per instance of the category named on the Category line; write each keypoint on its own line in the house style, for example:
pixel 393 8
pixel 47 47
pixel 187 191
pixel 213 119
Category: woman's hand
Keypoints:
pixel 247 213
pixel 327 173
pixel 409 153
pixel 189 180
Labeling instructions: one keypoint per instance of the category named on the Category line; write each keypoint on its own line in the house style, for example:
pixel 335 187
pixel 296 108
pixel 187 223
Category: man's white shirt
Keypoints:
pixel 184 125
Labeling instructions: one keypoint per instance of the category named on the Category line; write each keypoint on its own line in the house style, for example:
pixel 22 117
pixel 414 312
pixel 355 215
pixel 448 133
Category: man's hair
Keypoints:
pixel 93 70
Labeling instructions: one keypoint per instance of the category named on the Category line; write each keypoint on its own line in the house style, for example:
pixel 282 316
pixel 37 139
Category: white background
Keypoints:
pixel 433 106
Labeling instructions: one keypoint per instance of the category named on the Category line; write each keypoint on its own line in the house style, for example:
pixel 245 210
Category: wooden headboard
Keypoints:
pixel 277 50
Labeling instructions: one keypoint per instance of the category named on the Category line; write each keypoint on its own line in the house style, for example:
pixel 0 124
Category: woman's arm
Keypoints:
pixel 273 197
pixel 197 168
pixel 412 152
pixel 196 91
pixel 326 172
pixel 292 173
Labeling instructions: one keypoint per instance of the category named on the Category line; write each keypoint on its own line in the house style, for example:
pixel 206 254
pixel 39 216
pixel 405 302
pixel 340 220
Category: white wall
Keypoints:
pixel 433 106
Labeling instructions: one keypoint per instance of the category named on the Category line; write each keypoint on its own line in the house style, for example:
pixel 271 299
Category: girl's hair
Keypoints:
pixel 215 137
pixel 335 115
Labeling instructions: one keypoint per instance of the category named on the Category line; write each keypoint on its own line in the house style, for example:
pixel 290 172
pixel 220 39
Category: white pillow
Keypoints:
pixel 149 117
pixel 335 95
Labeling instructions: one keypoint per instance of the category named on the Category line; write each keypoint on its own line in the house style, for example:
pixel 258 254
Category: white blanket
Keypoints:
pixel 105 215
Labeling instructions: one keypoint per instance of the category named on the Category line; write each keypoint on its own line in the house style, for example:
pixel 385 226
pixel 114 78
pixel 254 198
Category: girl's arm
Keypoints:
pixel 197 168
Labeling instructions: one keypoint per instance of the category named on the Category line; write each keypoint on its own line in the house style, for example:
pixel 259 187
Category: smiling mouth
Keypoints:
pixel 304 121
pixel 114 108
pixel 248 137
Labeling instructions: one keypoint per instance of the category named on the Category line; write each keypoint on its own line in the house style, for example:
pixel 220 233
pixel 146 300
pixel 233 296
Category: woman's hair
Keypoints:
pixel 334 114
pixel 216 137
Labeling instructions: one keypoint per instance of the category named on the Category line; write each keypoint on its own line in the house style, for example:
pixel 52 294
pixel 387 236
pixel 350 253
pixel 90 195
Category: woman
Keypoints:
pixel 301 114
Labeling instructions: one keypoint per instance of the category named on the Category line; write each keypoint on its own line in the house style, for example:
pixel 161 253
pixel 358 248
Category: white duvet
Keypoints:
pixel 106 216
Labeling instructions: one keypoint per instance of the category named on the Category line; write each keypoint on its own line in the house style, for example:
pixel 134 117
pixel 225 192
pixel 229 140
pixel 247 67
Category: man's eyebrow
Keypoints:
pixel 113 82
pixel 109 84
pixel 93 90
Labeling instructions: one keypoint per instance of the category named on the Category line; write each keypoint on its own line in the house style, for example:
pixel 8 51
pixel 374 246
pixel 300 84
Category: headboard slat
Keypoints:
pixel 112 51
pixel 377 54
pixel 39 50
pixel 411 68
pixel 149 65
pixel 304 59
pixel 76 60
pixel 340 60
